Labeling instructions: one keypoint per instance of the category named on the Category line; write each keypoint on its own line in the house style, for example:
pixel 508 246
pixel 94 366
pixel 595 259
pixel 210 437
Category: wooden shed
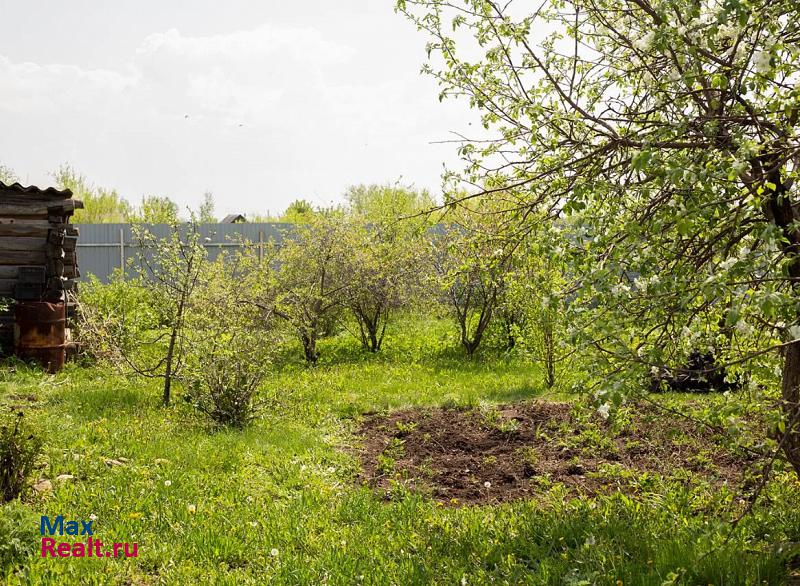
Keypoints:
pixel 38 260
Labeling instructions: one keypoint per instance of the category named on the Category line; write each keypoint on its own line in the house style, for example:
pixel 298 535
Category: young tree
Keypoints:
pixel 172 265
pixel 385 258
pixel 667 134
pixel 533 305
pixel 308 284
pixel 470 257
pixel 205 215
pixel 140 323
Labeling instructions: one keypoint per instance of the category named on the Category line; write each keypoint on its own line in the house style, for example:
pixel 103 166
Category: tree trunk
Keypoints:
pixel 779 210
pixel 168 370
pixel 790 390
pixel 470 346
pixel 374 344
pixel 549 354
pixel 310 347
pixel 509 323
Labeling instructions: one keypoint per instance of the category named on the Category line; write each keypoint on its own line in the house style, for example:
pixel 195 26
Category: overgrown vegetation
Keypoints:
pixel 289 482
pixel 19 448
pixel 633 227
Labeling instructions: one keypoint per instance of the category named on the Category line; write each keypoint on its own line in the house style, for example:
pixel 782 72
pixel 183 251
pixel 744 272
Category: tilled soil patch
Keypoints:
pixel 517 451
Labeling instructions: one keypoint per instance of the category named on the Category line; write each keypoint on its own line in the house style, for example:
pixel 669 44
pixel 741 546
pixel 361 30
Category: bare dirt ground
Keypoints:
pixel 517 451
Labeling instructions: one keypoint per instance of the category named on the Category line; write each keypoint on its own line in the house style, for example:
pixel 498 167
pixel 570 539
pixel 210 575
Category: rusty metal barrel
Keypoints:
pixel 40 333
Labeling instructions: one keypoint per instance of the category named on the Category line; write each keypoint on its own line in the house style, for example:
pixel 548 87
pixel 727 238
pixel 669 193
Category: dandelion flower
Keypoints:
pixel 167 483
pixel 191 508
pixel 273 552
pixel 93 517
pixel 487 484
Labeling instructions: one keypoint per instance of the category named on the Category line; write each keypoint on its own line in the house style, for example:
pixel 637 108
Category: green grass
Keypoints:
pixel 210 506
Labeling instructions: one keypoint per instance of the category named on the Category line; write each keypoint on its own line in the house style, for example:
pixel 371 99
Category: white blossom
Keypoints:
pixel 603 410
pixel 620 289
pixel 643 43
pixel 762 61
pixel 741 52
pixel 729 31
pixel 674 75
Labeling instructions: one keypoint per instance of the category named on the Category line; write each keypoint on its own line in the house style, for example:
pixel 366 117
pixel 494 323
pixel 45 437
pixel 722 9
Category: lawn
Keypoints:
pixel 283 503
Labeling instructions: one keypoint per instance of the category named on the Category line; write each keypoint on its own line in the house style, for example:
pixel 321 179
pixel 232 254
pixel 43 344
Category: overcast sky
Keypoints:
pixel 259 102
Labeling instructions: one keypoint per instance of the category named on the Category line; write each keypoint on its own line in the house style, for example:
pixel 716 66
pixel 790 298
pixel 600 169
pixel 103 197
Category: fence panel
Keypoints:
pixel 104 248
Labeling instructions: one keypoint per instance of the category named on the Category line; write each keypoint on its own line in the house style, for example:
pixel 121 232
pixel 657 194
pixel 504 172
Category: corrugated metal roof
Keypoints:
pixel 17 188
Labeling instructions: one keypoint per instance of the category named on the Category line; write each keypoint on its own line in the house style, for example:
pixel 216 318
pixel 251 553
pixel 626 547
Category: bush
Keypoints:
pixel 115 317
pixel 225 389
pixel 229 350
pixel 18 452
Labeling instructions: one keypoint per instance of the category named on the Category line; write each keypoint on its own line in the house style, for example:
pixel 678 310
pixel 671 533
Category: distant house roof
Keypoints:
pixel 18 189
pixel 234 219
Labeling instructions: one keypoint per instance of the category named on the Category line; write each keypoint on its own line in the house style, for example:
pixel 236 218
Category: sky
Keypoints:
pixel 258 102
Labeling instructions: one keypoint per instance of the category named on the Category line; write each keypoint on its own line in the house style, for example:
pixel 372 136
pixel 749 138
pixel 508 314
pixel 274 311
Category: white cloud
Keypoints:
pixel 29 86
pixel 283 107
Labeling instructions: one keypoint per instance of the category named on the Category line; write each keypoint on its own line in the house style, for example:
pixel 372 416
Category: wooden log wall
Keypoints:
pixel 37 250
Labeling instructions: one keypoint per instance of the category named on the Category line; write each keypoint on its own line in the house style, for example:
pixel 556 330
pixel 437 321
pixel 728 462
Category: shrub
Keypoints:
pixel 230 342
pixel 18 452
pixel 114 317
pixel 470 258
pixel 225 388
pixel 308 288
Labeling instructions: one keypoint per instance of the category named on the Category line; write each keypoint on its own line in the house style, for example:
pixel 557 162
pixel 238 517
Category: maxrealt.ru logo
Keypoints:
pixel 79 549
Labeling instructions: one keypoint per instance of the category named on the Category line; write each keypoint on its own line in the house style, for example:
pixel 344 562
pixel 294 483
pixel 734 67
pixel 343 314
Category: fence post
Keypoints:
pixel 122 251
pixel 261 245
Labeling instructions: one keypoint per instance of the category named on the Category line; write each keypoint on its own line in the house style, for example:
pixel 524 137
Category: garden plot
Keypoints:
pixel 504 453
